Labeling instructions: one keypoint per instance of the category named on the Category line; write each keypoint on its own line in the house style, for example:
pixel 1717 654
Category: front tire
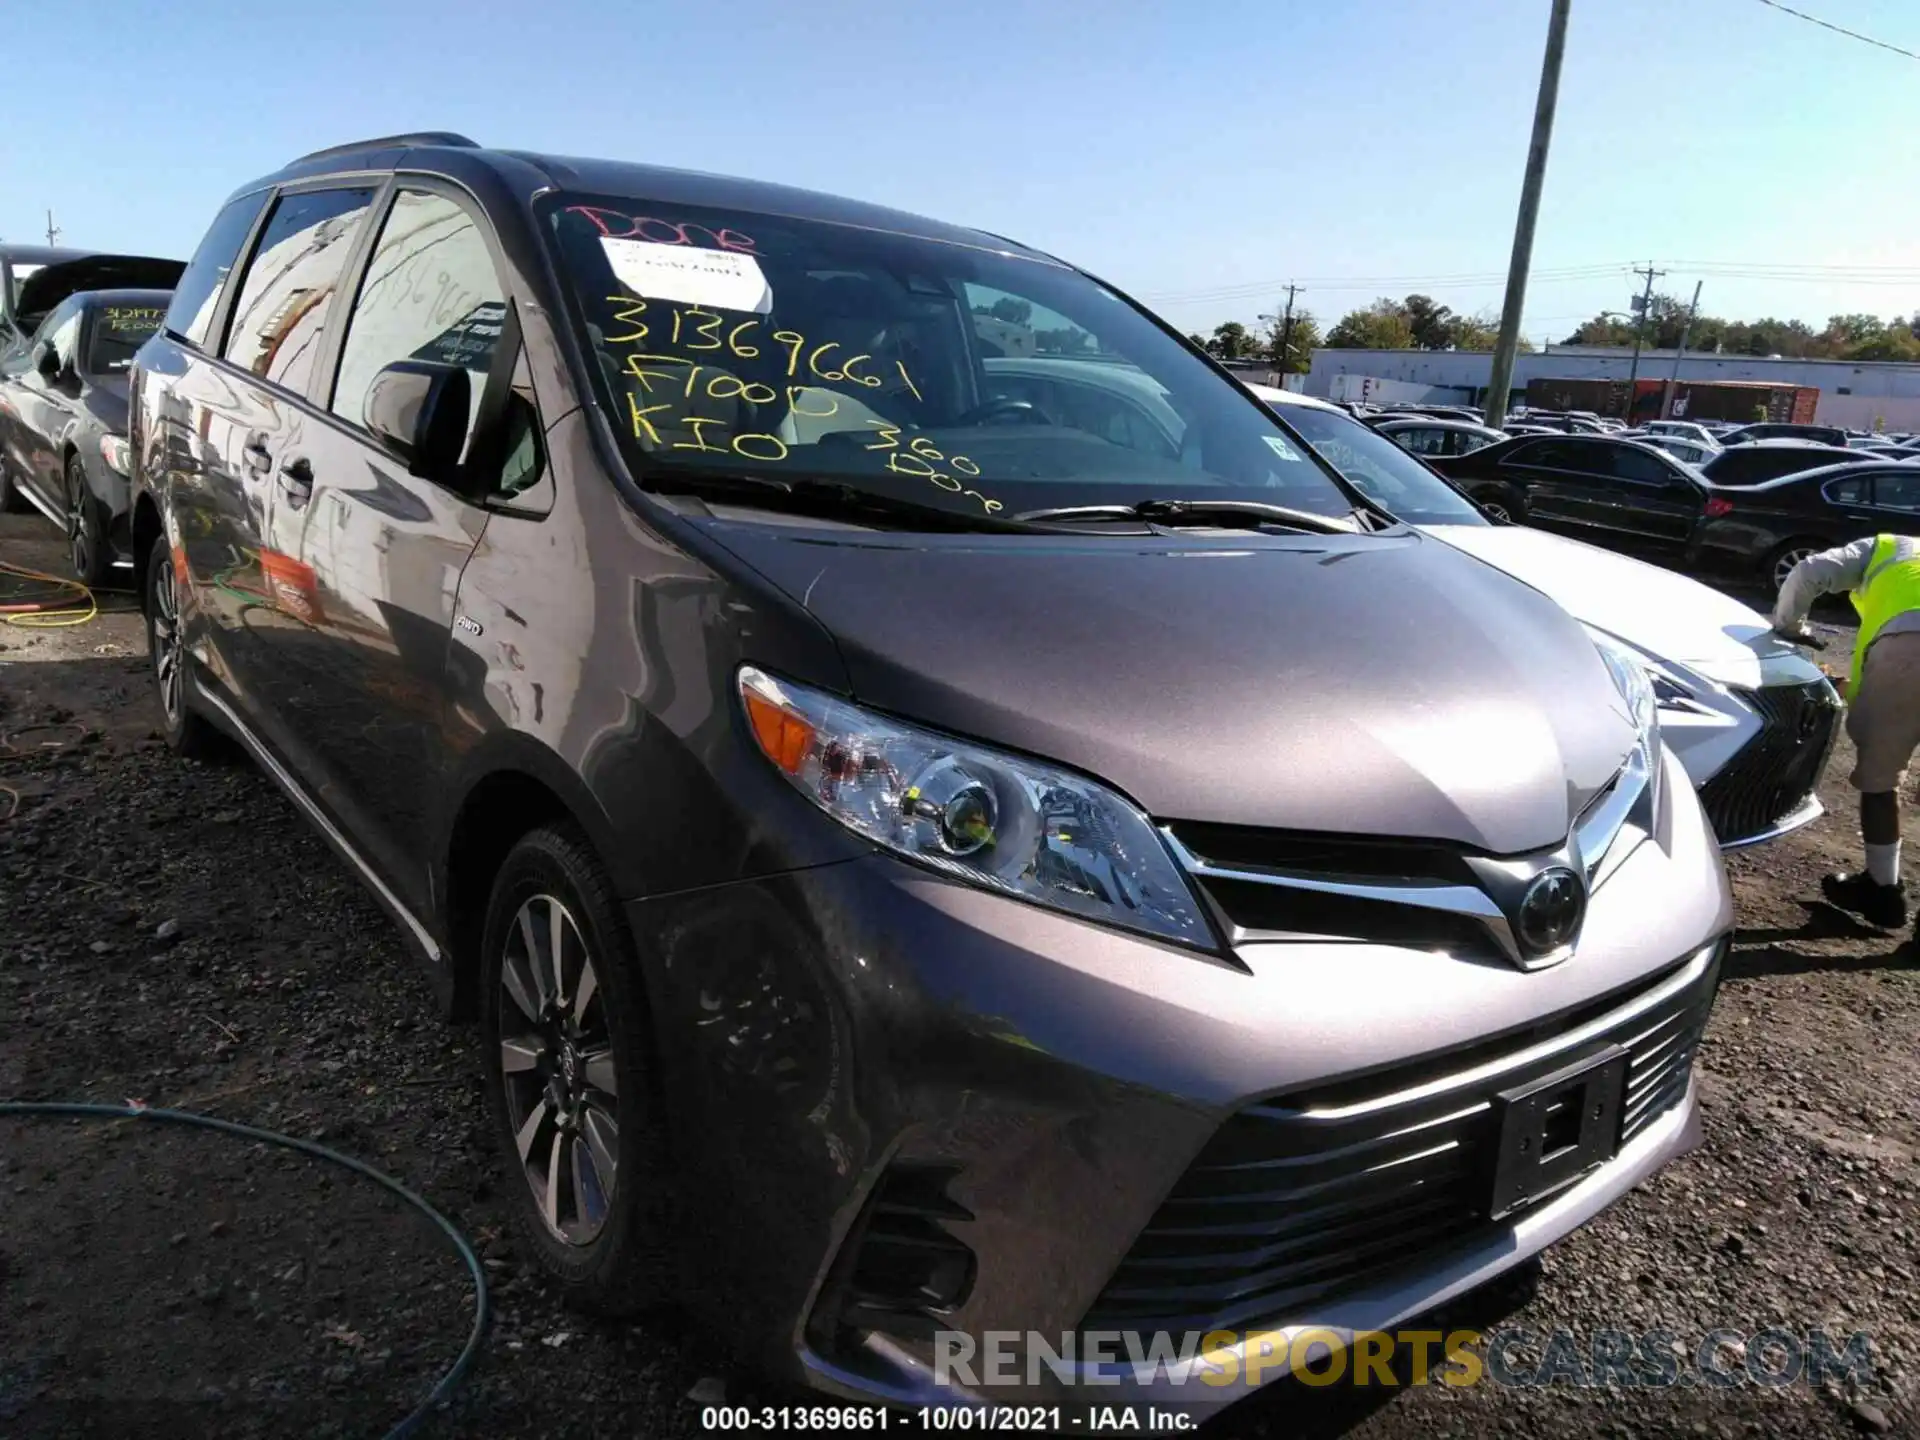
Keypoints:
pixel 186 733
pixel 571 1077
pixel 1503 505
pixel 87 545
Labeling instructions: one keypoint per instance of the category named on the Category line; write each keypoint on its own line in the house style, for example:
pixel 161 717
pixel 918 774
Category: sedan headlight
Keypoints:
pixel 1631 679
pixel 115 451
pixel 987 818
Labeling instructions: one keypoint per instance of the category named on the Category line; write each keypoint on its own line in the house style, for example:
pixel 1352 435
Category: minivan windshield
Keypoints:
pixel 1380 469
pixel 968 377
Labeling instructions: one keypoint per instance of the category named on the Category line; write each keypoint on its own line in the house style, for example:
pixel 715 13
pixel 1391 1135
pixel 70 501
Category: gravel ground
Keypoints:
pixel 173 933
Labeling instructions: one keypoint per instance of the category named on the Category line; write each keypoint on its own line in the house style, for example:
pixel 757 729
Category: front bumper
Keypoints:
pixel 866 1058
pixel 1757 756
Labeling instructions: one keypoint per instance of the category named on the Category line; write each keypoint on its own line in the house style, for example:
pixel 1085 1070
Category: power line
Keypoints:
pixel 1837 29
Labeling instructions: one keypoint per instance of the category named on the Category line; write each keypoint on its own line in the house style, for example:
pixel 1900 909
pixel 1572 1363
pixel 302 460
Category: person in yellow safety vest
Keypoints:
pixel 1883 701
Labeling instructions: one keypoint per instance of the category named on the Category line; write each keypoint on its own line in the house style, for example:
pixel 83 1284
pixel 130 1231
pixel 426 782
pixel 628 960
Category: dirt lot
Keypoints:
pixel 172 932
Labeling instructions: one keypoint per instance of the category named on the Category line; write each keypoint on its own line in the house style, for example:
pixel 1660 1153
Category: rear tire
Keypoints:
pixel 572 1083
pixel 186 733
pixel 1779 564
pixel 87 547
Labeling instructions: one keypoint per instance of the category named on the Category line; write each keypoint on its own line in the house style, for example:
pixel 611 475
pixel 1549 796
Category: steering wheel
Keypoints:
pixel 1023 412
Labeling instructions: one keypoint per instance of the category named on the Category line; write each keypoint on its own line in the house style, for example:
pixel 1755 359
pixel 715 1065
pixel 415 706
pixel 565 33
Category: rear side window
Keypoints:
pixel 197 295
pixel 1852 491
pixel 289 285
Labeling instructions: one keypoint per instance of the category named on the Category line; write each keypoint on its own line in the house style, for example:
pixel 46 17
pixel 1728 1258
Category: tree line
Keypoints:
pixel 1420 323
pixel 1844 337
pixel 1416 323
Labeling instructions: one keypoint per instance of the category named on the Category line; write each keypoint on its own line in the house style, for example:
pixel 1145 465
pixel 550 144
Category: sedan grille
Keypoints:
pixel 1312 1194
pixel 1776 773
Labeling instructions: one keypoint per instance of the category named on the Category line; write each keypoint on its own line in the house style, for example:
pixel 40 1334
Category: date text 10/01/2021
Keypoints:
pixel 942 1419
pixel 809 368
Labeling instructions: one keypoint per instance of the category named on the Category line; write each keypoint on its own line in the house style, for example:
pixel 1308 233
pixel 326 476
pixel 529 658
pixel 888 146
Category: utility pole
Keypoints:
pixel 53 231
pixel 1501 381
pixel 1686 329
pixel 1286 337
pixel 1639 329
pixel 1286 334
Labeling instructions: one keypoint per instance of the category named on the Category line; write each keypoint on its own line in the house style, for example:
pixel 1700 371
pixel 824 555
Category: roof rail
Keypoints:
pixel 388 142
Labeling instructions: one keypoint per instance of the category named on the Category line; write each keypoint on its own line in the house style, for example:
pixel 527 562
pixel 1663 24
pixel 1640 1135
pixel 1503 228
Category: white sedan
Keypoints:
pixel 1750 717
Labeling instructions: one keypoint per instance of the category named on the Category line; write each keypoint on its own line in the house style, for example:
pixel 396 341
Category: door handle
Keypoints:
pixel 296 482
pixel 259 459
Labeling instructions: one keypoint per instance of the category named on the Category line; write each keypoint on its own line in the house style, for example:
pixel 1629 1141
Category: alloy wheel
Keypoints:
pixel 556 1064
pixel 165 640
pixel 1784 564
pixel 79 542
pixel 1494 510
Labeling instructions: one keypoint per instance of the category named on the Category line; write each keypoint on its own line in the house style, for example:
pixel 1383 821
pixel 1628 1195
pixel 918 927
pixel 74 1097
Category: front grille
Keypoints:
pixel 1310 1194
pixel 1778 769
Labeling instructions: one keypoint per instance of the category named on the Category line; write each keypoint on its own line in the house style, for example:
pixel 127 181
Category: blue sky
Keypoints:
pixel 1198 153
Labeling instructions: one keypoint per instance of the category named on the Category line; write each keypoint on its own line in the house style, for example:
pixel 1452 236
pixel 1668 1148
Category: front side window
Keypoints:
pixel 288 288
pixel 118 331
pixel 1549 454
pixel 1638 467
pixel 1851 491
pixel 197 295
pixel 1379 469
pixel 431 293
pixel 929 370
pixel 62 331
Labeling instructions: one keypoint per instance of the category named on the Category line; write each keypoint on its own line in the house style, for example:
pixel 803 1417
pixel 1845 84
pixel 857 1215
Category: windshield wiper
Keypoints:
pixel 827 499
pixel 1232 514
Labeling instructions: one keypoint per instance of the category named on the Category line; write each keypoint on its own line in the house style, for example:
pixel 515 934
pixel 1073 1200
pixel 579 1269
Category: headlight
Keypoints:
pixel 975 814
pixel 1631 679
pixel 115 451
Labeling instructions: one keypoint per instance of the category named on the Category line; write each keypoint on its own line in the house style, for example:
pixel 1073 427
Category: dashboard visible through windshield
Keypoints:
pixel 978 380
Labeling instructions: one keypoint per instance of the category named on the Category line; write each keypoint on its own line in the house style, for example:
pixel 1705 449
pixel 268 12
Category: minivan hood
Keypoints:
pixel 1367 685
pixel 1665 615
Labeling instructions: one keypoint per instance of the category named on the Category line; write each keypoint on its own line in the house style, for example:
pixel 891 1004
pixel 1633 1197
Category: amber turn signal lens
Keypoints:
pixel 781 733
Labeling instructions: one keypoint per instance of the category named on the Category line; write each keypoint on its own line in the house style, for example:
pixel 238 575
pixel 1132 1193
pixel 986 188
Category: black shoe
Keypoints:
pixel 1860 894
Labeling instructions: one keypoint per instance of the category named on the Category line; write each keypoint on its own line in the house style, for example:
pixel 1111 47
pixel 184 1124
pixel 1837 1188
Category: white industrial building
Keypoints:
pixel 1858 394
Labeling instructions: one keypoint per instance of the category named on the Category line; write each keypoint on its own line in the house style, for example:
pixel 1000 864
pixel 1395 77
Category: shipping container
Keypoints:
pixel 1745 401
pixel 1741 401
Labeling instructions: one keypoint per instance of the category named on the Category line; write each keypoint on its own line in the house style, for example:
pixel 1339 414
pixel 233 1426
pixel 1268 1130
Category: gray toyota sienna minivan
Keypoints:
pixel 911 884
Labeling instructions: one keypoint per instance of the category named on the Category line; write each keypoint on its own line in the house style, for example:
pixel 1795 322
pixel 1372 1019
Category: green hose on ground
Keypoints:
pixel 456 1374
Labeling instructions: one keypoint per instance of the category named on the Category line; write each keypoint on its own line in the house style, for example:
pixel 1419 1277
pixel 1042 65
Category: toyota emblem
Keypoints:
pixel 1551 911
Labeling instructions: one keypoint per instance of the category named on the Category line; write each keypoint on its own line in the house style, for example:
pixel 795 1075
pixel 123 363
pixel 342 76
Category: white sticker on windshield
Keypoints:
pixel 1278 444
pixel 725 279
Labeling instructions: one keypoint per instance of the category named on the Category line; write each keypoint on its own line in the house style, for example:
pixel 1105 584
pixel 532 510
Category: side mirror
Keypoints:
pixel 47 361
pixel 420 410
